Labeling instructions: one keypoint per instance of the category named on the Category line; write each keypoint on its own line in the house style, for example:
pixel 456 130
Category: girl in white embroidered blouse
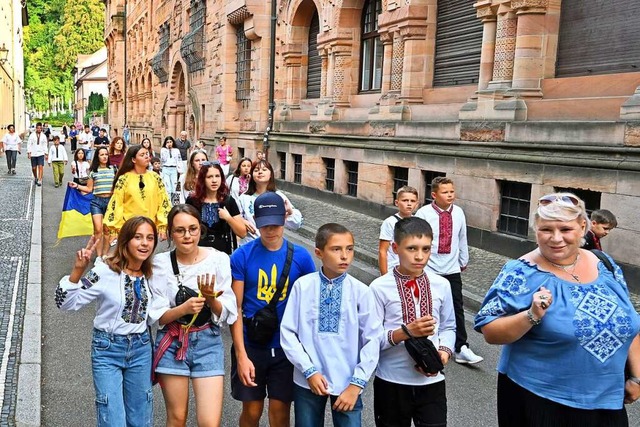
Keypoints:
pixel 121 345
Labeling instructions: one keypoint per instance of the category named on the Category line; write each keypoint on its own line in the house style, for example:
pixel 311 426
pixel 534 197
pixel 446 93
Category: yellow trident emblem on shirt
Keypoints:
pixel 266 287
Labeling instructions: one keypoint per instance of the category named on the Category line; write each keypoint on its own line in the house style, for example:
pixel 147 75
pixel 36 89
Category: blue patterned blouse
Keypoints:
pixel 577 355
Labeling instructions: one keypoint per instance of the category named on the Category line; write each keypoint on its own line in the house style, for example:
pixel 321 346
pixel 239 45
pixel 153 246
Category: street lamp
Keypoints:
pixel 4 53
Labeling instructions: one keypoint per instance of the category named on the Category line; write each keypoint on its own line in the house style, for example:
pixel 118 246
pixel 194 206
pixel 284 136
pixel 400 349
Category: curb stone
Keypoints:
pixel 28 404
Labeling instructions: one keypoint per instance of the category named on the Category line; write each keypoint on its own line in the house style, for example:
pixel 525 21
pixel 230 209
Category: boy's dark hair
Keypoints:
pixel 604 216
pixel 438 181
pixel 56 138
pixel 411 227
pixel 326 231
pixel 38 124
pixel 155 159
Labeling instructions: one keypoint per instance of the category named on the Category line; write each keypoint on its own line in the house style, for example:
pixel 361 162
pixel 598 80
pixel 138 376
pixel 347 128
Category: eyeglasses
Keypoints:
pixel 141 183
pixel 182 232
pixel 552 198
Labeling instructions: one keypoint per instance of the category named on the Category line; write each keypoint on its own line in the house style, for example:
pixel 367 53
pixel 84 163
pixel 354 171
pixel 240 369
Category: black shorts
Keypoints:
pixel 274 375
pixel 396 405
pixel 37 161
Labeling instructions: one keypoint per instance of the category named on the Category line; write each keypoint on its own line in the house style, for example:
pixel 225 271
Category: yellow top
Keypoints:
pixel 134 195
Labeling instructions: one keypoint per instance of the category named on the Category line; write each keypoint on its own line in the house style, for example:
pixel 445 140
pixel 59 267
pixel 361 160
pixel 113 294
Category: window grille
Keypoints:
pixel 330 177
pixel 400 179
pixel 428 178
pixel 283 164
pixel 243 66
pixel 352 178
pixel 515 201
pixel 297 168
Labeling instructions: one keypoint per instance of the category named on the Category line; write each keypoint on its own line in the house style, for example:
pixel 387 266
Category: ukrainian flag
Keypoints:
pixel 76 214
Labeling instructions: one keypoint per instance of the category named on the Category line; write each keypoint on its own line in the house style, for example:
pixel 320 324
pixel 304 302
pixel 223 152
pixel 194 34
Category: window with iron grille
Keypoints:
pixel 330 177
pixel 372 50
pixel 243 66
pixel 352 178
pixel 591 198
pixel 428 178
pixel 400 179
pixel 297 168
pixel 515 200
pixel 241 152
pixel 283 164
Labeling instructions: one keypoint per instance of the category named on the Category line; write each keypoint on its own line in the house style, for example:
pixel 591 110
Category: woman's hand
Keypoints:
pixel 631 391
pixel 224 214
pixel 541 302
pixel 287 207
pixel 250 228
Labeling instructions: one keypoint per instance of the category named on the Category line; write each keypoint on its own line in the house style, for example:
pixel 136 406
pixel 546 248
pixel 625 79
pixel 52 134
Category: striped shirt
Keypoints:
pixel 102 180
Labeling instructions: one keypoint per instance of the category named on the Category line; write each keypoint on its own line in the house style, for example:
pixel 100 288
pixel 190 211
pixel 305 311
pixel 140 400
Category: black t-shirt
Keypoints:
pixel 219 234
pixel 101 140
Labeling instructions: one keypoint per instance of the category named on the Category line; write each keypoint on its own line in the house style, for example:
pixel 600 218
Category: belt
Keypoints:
pixel 167 166
pixel 179 332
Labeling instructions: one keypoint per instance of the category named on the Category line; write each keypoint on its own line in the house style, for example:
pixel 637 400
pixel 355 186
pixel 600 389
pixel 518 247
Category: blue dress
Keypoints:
pixel 577 355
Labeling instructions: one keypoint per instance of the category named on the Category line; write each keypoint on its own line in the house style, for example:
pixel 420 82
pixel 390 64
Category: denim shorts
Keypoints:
pixel 37 161
pixel 99 205
pixel 205 355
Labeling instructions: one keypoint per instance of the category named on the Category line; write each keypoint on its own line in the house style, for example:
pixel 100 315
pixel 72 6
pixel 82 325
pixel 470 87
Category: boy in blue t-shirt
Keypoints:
pixel 256 268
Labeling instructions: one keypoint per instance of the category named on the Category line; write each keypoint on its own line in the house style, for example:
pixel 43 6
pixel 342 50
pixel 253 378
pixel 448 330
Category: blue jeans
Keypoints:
pixel 170 178
pixel 309 410
pixel 122 379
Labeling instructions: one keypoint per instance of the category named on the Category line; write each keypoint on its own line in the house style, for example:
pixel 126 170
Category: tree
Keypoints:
pixel 96 102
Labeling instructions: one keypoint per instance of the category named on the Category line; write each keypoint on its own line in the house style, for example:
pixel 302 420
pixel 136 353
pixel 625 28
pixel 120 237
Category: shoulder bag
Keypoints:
pixel 264 323
pixel 183 294
pixel 423 352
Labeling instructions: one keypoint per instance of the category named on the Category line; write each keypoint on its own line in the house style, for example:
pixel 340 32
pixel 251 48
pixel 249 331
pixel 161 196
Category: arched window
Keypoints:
pixel 372 51
pixel 314 68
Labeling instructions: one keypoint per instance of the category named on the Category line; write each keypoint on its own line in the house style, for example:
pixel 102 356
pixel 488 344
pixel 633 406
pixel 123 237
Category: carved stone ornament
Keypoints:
pixel 529 4
pixel 238 16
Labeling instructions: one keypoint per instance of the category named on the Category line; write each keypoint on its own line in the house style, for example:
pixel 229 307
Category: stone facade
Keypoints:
pixel 13 17
pixel 512 124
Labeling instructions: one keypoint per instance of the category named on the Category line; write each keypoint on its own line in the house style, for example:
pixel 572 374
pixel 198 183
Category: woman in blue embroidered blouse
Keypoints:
pixel 567 326
pixel 218 210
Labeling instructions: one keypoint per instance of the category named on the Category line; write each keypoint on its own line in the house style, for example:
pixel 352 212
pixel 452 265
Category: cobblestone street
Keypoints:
pixel 16 215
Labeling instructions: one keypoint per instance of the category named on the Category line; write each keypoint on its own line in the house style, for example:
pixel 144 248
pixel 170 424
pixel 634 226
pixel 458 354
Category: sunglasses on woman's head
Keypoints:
pixel 552 198
pixel 210 163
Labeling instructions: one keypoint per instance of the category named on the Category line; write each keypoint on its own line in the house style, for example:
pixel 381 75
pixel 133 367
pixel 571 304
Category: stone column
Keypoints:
pixel 342 81
pixel 387 47
pixel 529 58
pixel 293 65
pixel 180 119
pixel 506 31
pixel 487 14
pixel 171 121
pixel 413 63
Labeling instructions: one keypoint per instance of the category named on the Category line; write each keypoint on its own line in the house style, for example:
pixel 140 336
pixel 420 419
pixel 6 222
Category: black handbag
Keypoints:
pixel 264 323
pixel 423 352
pixel 183 294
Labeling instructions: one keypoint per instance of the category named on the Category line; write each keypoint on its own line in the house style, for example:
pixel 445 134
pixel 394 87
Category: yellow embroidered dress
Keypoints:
pixel 138 194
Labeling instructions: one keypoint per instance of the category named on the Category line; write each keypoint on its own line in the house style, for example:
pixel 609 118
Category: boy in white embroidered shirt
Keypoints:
pixel 421 300
pixel 331 335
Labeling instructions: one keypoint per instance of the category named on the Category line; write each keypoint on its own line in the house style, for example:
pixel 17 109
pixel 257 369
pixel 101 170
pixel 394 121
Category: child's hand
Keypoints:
pixel 193 305
pixel 206 283
pixel 318 384
pixel 347 399
pixel 422 327
pixel 83 256
pixel 444 356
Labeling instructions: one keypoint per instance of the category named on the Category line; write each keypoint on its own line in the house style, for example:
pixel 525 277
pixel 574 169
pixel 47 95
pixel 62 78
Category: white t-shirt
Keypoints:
pixel 85 139
pixel 11 141
pixel 386 233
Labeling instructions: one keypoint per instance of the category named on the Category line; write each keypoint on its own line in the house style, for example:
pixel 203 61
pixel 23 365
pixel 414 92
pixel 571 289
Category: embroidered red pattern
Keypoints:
pixel 406 298
pixel 445 229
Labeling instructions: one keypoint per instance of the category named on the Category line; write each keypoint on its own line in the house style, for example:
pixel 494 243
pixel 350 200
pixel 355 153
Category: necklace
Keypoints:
pixel 195 259
pixel 566 268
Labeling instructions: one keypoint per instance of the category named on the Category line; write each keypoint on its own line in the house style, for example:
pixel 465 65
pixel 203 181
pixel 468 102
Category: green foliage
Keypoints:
pixel 56 120
pixel 58 31
pixel 96 102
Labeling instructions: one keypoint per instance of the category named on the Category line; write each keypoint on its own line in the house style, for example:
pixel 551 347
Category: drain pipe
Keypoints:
pixel 272 80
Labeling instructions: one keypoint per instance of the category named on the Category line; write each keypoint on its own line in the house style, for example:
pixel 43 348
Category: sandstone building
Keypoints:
pixel 510 98
pixel 13 19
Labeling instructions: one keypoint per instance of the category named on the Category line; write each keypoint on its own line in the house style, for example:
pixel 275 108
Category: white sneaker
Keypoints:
pixel 467 356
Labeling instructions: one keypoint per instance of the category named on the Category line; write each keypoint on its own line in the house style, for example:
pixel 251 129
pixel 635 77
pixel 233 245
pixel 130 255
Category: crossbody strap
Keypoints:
pixel 602 257
pixel 283 277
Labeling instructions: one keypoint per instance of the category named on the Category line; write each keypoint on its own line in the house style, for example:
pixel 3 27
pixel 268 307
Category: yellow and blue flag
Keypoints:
pixel 76 214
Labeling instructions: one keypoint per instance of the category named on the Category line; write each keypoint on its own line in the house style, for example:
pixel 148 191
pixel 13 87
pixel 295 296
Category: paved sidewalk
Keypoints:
pixel 20 257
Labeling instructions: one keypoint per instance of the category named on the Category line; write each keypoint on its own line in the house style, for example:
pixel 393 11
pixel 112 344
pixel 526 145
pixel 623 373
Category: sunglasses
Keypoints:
pixel 141 183
pixel 552 198
pixel 210 163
